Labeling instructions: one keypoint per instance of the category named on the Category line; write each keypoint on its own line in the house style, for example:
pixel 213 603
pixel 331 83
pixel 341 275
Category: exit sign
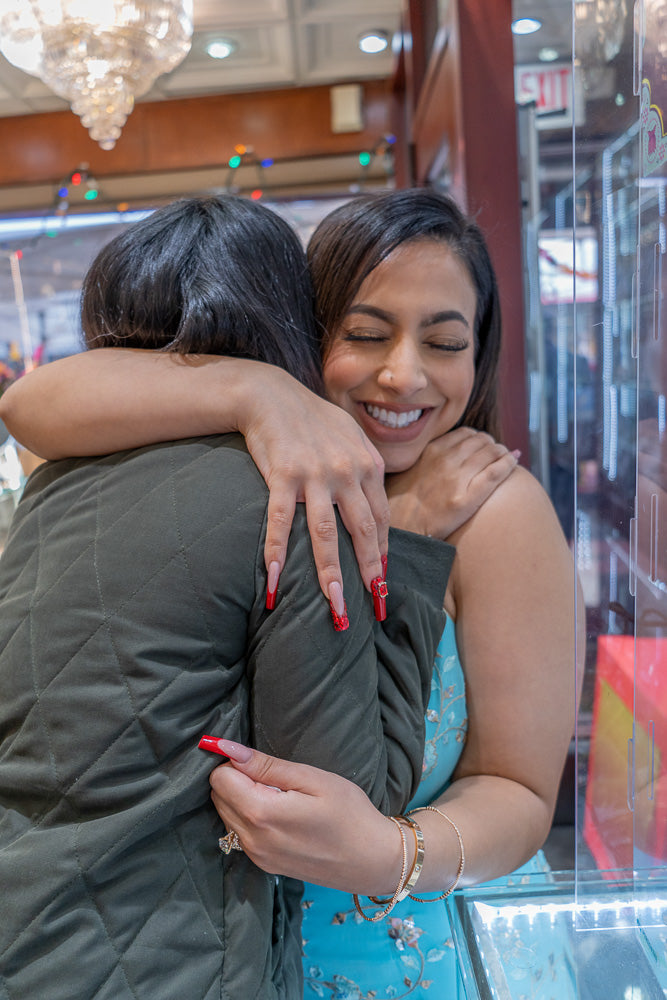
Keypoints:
pixel 551 89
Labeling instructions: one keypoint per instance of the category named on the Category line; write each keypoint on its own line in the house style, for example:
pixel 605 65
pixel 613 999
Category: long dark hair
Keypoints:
pixel 211 275
pixel 353 239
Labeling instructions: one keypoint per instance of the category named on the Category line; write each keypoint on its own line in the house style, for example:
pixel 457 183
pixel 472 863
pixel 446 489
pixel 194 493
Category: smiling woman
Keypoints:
pixel 402 360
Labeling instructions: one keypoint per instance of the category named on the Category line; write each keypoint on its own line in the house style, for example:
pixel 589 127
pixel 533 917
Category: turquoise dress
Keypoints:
pixel 411 951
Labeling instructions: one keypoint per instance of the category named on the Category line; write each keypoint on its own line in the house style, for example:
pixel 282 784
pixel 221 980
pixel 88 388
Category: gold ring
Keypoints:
pixel 230 842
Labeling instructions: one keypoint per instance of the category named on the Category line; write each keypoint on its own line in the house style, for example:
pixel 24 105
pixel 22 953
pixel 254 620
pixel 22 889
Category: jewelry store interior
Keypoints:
pixel 545 119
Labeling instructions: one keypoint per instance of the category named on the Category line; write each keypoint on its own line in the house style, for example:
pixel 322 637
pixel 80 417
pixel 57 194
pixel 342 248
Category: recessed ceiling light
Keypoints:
pixel 220 48
pixel 526 25
pixel 373 41
pixel 547 54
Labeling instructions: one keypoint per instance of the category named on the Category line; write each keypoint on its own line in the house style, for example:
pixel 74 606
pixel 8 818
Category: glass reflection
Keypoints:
pixel 595 231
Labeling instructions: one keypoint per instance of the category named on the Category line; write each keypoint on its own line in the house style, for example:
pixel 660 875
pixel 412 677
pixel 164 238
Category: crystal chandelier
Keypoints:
pixel 98 54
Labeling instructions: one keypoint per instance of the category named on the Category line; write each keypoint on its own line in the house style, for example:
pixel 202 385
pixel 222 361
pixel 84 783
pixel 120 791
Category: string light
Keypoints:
pixel 80 183
pixel 382 148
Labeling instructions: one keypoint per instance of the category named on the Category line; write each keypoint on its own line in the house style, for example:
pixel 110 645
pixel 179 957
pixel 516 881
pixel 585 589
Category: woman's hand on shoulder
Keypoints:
pixel 297 820
pixel 454 476
pixel 309 450
pixel 517 506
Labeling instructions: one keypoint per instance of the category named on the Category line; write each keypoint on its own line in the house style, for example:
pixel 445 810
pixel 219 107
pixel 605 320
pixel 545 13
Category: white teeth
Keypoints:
pixel 392 419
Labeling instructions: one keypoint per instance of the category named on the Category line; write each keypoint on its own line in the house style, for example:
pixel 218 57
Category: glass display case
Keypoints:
pixel 594 247
pixel 533 940
pixel 595 238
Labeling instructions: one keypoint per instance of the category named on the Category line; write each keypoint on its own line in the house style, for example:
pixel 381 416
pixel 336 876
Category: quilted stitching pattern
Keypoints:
pixel 105 611
pixel 132 621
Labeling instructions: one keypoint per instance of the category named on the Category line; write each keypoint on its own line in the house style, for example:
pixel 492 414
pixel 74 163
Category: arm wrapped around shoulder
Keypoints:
pixel 350 702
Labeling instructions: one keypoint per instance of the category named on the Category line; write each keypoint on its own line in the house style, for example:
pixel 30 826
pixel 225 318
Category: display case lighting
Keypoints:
pixel 489 913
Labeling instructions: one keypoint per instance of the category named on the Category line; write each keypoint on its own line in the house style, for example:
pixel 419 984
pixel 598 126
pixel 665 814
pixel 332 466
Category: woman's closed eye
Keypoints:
pixel 365 336
pixel 449 345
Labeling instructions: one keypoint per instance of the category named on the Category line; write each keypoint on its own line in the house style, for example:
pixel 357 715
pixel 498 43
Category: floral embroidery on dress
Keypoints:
pixel 444 711
pixel 404 934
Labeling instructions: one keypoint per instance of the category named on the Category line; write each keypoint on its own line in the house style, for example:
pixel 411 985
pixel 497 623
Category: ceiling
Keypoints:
pixel 286 43
pixel 279 43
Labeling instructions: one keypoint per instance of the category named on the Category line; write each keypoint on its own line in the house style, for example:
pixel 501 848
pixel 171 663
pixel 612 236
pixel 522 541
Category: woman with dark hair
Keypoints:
pixel 407 304
pixel 182 279
pixel 133 624
pixel 383 223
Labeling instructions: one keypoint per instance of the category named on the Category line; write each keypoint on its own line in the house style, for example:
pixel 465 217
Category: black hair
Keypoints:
pixel 208 275
pixel 353 239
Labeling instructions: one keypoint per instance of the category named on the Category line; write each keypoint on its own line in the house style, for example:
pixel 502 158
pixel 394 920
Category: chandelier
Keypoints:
pixel 98 54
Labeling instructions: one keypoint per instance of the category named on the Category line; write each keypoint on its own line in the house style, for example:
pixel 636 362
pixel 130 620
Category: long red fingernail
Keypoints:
pixel 211 743
pixel 338 607
pixel 272 585
pixel 379 592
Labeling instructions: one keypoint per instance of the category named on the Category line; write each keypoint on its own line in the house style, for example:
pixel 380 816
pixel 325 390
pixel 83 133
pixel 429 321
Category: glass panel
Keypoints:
pixel 606 167
pixel 548 104
pixel 650 736
pixel 595 242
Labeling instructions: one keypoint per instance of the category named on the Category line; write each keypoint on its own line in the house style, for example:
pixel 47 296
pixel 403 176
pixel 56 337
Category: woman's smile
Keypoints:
pixel 402 361
pixel 387 422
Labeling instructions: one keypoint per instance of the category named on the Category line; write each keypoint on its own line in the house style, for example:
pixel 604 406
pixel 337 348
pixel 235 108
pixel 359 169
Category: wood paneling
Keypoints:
pixel 189 134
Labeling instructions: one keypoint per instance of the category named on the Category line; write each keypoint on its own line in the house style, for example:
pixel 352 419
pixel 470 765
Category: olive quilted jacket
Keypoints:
pixel 132 621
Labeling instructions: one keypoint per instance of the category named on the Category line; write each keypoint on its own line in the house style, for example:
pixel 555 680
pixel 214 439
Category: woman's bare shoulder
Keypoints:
pixel 518 509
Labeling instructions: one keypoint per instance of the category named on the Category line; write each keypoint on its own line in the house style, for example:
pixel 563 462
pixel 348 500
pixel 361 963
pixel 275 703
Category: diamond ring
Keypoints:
pixel 230 842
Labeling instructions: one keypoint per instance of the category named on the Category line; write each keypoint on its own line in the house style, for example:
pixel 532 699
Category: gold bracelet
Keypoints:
pixel 417 864
pixel 462 857
pixel 394 899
